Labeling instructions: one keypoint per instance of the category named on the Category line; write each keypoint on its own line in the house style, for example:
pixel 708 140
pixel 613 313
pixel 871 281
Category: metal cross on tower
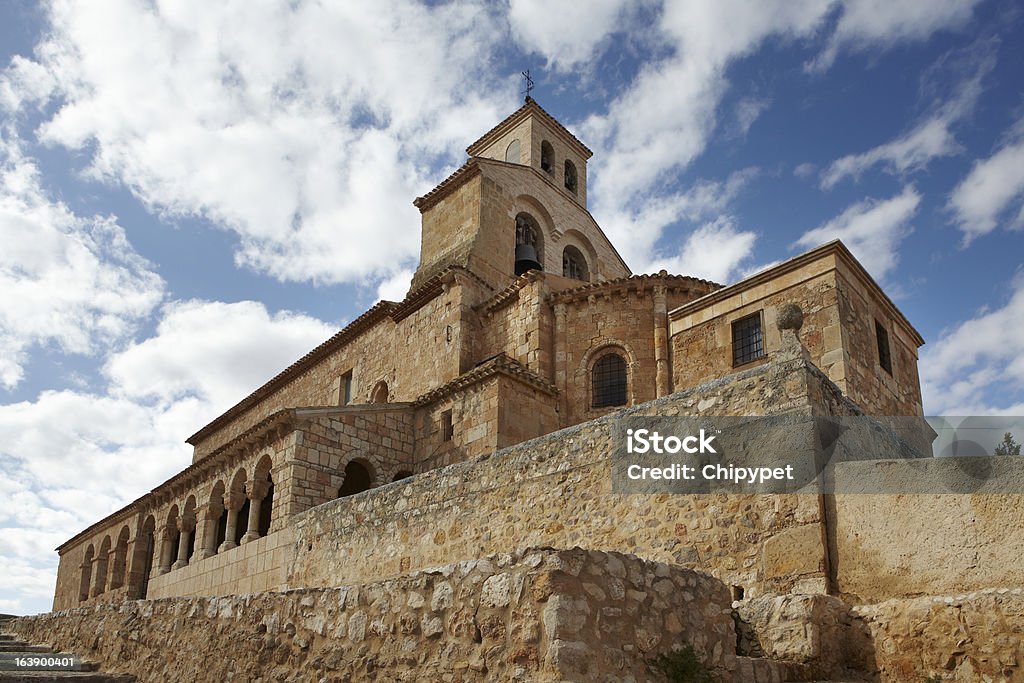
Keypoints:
pixel 529 83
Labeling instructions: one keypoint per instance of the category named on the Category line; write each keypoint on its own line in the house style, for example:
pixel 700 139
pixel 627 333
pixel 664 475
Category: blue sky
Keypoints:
pixel 192 194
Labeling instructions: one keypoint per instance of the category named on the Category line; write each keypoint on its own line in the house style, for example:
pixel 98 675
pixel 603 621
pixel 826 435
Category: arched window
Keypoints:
pixel 120 558
pixel 357 480
pixel 570 176
pixel 99 582
pixel 86 582
pixel 380 393
pixel 609 381
pixel 145 555
pixel 512 153
pixel 267 508
pixel 574 265
pixel 547 157
pixel 529 245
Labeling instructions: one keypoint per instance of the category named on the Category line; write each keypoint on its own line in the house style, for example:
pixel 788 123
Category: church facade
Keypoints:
pixel 521 320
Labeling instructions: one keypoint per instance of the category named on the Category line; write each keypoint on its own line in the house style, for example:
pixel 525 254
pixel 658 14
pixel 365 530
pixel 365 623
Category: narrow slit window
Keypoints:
pixel 747 340
pixel 884 355
pixel 346 388
pixel 447 426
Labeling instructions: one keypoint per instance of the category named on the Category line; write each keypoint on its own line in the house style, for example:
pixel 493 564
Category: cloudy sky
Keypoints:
pixel 193 194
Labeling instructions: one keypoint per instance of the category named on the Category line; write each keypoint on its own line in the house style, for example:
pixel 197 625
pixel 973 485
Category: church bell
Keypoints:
pixel 526 259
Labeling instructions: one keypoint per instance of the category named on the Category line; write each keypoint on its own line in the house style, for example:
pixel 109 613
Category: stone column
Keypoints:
pixel 166 548
pixel 662 380
pixel 98 576
pixel 257 491
pixel 186 525
pixel 208 532
pixel 561 376
pixel 233 502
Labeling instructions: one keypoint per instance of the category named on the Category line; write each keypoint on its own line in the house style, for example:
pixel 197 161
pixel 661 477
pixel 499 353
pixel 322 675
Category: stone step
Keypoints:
pixel 21 646
pixel 760 670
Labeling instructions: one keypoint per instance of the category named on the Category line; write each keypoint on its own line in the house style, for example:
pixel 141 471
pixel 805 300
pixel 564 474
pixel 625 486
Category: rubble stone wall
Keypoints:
pixel 540 615
pixel 977 636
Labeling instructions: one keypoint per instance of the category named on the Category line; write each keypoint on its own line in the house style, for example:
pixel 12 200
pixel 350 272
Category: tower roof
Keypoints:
pixel 529 107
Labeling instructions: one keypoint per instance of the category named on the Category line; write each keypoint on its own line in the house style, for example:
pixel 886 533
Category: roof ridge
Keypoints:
pixel 529 104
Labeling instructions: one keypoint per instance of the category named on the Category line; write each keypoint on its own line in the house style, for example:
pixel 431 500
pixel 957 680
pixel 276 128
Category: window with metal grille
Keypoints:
pixel 609 380
pixel 747 340
pixel 884 356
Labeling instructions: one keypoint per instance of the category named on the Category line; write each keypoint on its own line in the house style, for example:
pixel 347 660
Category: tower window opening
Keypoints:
pixel 529 249
pixel 570 176
pixel 574 265
pixel 547 157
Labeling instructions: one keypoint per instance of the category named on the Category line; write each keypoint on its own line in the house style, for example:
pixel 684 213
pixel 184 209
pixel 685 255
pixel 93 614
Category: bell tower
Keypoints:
pixel 518 204
pixel 532 137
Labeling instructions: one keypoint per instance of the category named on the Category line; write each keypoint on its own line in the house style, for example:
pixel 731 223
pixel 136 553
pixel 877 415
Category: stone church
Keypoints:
pixel 470 420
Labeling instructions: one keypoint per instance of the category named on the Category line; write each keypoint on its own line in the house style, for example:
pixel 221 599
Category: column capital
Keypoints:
pixel 257 490
pixel 234 500
pixel 186 523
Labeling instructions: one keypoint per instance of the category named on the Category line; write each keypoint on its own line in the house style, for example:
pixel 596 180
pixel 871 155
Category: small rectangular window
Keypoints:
pixel 346 388
pixel 884 356
pixel 447 428
pixel 747 340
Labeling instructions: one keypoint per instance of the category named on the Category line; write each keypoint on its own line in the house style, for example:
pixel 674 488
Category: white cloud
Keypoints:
pixel 715 251
pixel 636 233
pixel 872 229
pixel 748 110
pixel 568 33
pixel 933 136
pixel 54 450
pixel 395 288
pixel 67 280
pixel 214 351
pixel 991 188
pixel 304 128
pixel 913 151
pixel 977 368
pixel 880 24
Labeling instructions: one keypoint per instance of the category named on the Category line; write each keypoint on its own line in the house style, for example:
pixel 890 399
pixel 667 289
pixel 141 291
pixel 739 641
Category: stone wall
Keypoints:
pixel 891 545
pixel 540 615
pixel 978 636
pixel 413 355
pixel 557 490
pixel 840 303
pixel 254 567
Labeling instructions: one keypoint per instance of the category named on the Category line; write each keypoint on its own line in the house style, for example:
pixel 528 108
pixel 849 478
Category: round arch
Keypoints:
pixel 380 393
pixel 359 476
pixel 600 349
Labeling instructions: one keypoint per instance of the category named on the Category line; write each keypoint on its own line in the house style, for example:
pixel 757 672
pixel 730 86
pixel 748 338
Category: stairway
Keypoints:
pixel 63 667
